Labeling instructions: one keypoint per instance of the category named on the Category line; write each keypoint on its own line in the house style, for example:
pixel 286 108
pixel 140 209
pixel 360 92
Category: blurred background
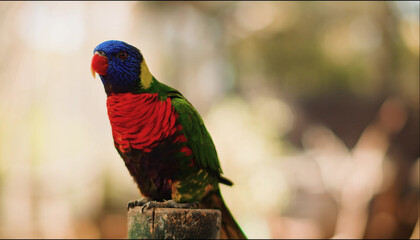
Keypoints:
pixel 313 108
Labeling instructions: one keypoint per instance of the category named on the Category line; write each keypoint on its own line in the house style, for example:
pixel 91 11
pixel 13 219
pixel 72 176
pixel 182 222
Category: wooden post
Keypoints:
pixel 173 223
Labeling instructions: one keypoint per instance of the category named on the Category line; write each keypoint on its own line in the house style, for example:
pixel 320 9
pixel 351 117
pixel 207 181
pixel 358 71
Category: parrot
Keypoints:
pixel 160 136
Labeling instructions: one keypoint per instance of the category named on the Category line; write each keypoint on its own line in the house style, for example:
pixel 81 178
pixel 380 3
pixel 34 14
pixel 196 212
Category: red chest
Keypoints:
pixel 140 121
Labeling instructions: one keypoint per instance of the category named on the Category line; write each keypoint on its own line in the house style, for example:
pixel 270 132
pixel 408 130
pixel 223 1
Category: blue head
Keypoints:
pixel 118 65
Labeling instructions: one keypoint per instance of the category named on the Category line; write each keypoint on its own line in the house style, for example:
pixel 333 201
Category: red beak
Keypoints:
pixel 99 64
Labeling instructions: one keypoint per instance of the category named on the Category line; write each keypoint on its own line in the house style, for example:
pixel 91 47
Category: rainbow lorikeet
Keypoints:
pixel 160 136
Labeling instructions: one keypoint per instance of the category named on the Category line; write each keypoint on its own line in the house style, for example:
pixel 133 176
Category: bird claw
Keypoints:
pixel 168 204
pixel 172 204
pixel 137 202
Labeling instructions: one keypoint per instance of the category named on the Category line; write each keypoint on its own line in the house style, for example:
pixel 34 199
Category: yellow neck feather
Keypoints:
pixel 145 75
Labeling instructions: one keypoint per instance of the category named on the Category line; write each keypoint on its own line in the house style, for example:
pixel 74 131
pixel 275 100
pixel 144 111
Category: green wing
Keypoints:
pixel 198 137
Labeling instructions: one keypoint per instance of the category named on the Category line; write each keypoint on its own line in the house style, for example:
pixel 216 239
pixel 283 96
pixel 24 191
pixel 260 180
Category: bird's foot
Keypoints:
pixel 137 202
pixel 168 204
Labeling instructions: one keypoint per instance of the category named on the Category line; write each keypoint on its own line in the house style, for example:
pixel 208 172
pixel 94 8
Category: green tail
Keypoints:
pixel 230 229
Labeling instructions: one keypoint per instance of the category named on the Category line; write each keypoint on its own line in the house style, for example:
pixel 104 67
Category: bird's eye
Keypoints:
pixel 122 55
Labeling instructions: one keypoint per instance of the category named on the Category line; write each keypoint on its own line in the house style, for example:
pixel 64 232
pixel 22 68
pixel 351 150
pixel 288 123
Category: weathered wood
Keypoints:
pixel 173 223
